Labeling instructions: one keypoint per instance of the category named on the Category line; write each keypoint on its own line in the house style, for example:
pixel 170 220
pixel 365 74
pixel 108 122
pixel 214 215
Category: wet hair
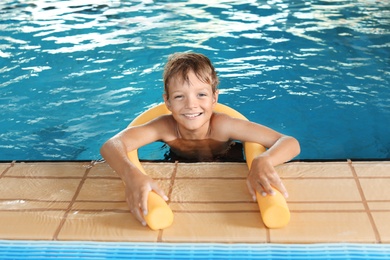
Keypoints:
pixel 180 64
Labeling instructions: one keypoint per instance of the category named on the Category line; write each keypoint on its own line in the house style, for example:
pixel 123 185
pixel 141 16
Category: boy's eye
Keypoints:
pixel 177 96
pixel 202 94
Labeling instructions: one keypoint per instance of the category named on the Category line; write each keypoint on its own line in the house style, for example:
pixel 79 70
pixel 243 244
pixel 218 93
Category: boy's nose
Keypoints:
pixel 192 102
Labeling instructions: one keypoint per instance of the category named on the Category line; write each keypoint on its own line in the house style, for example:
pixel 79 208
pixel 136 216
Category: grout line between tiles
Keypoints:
pixel 365 204
pixel 7 169
pixel 65 216
pixel 267 234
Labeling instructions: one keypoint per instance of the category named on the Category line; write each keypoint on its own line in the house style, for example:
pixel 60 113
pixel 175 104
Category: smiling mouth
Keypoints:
pixel 192 115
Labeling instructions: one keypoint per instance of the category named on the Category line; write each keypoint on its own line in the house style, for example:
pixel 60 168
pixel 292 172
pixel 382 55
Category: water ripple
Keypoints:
pixel 87 68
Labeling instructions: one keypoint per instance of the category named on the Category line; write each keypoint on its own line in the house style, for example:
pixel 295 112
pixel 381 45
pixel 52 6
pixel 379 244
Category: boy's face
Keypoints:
pixel 191 103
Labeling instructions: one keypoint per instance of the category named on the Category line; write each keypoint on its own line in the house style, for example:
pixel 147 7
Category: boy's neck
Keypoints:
pixel 193 135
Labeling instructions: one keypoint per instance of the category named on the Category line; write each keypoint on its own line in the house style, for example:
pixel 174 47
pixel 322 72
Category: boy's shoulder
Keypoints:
pixel 219 120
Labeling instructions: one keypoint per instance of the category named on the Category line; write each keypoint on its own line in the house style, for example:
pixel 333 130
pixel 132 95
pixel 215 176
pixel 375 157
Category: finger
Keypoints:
pixel 137 214
pixel 280 187
pixel 144 201
pixel 260 189
pixel 266 188
pixel 278 184
pixel 251 190
pixel 159 191
pixel 135 211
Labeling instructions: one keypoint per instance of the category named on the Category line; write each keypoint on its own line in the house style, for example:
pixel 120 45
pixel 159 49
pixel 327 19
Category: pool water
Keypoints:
pixel 73 73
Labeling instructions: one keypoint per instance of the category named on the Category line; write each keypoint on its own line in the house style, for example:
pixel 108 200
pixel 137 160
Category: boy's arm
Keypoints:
pixel 280 149
pixel 262 175
pixel 137 185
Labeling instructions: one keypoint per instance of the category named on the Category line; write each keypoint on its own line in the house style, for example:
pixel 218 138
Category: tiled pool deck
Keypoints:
pixel 330 202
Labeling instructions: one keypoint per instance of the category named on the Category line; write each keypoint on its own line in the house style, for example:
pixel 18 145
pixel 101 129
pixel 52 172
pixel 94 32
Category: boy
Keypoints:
pixel 193 130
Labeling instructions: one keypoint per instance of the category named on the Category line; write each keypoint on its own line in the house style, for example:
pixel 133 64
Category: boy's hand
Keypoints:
pixel 262 177
pixel 137 191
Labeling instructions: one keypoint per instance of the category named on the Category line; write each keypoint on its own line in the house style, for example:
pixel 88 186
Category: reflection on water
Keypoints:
pixel 317 70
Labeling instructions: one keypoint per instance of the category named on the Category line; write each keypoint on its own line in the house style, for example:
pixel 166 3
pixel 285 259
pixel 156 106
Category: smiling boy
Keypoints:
pixel 193 130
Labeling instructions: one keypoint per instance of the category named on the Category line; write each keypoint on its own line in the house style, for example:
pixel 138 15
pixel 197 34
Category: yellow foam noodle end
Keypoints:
pixel 159 215
pixel 274 210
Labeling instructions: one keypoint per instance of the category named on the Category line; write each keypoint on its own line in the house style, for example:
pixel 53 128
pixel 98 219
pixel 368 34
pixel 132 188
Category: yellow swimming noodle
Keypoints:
pixel 274 210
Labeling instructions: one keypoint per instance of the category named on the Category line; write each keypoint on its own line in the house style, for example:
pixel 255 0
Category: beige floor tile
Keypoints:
pixel 325 190
pixel 314 169
pixel 3 167
pixel 97 205
pixel 214 207
pixel 215 170
pixel 23 204
pixel 216 227
pixel 105 226
pixel 212 190
pixel 38 189
pixel 379 205
pixel 326 206
pixel 109 190
pixel 372 169
pixel 159 170
pixel 102 170
pixel 35 225
pixel 59 170
pixel 325 228
pixel 102 190
pixel 154 170
pixel 376 189
pixel 381 220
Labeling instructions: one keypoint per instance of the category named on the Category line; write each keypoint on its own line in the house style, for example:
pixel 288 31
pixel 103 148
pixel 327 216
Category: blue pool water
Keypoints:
pixel 97 250
pixel 73 73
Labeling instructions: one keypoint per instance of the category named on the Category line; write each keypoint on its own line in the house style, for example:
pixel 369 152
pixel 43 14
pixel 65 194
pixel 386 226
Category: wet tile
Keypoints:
pixel 105 226
pixel 214 170
pixel 322 190
pixel 376 189
pixel 372 169
pixel 102 190
pixel 34 225
pixel 155 170
pixel 4 167
pixel 25 204
pixel 38 189
pixel 381 220
pixel 214 207
pixel 59 170
pixel 159 170
pixel 109 189
pixel 102 170
pixel 379 205
pixel 325 227
pixel 325 206
pixel 216 227
pixel 102 206
pixel 314 169
pixel 212 190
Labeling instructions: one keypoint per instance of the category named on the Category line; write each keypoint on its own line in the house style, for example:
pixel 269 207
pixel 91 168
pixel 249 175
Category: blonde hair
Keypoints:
pixel 180 64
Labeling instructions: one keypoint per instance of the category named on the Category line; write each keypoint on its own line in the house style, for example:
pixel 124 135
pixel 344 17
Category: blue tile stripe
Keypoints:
pixel 17 249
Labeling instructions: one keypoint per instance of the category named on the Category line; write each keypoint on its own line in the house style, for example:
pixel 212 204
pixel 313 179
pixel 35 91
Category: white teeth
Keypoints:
pixel 192 115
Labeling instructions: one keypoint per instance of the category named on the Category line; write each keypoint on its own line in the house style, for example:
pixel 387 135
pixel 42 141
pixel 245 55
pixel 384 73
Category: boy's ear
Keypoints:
pixel 167 102
pixel 215 97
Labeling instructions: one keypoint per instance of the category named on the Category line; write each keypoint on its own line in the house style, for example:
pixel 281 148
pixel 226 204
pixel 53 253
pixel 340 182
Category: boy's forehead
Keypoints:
pixel 191 79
